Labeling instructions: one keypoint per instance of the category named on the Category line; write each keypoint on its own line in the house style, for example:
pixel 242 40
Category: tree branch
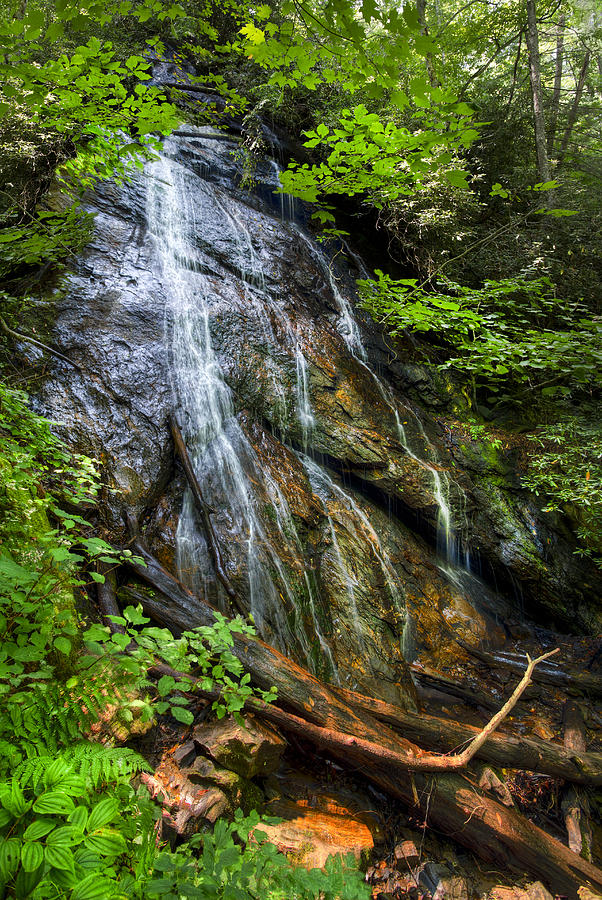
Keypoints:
pixel 30 340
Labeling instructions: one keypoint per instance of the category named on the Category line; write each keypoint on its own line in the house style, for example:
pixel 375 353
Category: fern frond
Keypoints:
pixel 100 764
pixel 96 763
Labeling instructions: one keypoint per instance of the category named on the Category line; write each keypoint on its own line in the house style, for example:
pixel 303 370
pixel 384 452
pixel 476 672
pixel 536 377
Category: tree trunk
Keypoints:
pixel 557 84
pixel 430 68
pixel 543 162
pixel 574 108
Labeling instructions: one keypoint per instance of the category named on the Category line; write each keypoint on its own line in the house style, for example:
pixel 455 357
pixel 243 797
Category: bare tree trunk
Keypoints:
pixel 430 68
pixel 574 108
pixel 543 162
pixel 557 84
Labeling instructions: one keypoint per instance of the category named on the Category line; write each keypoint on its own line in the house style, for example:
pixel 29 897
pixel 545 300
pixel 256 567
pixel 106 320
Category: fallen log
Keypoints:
pixel 415 760
pixel 430 678
pixel 506 750
pixel 106 592
pixel 575 804
pixel 448 801
pixel 203 510
pixel 582 682
pixel 492 830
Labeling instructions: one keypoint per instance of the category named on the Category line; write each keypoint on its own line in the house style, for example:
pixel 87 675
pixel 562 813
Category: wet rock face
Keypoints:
pixel 111 320
pixel 204 298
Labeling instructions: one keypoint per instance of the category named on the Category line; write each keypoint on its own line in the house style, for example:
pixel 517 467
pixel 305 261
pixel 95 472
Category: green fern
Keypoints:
pixel 97 764
pixel 51 715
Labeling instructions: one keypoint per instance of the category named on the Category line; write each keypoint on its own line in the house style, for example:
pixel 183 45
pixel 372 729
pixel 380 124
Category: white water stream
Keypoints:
pixel 269 554
pixel 348 327
pixel 224 461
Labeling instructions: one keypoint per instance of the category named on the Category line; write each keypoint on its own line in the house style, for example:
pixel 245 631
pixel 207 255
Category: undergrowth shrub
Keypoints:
pixel 72 822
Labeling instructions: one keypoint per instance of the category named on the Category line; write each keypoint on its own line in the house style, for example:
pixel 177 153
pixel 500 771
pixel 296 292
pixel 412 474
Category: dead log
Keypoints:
pixel 203 510
pixel 451 802
pixel 580 682
pixel 575 804
pixel 432 679
pixel 506 750
pixel 106 593
pixel 415 759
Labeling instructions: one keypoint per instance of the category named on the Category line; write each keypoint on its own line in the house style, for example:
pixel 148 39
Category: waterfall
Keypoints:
pixel 224 461
pixel 348 327
pixel 264 553
pixel 304 409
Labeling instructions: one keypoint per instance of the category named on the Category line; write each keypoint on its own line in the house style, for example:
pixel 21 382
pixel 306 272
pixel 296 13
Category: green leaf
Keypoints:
pixel 38 829
pixel 103 813
pixel 106 841
pixel 68 835
pixel 166 684
pixel 182 715
pixel 32 855
pixel 60 857
pixel 63 645
pixel 54 803
pixel 93 887
pixel 135 616
pixel 26 882
pixel 10 854
pixel 79 817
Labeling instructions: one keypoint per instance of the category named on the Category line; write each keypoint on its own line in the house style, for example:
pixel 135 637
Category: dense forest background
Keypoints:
pixel 467 136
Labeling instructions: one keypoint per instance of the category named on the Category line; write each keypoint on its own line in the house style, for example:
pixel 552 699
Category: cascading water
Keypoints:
pixel 224 461
pixel 362 530
pixel 304 409
pixel 264 552
pixel 348 327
